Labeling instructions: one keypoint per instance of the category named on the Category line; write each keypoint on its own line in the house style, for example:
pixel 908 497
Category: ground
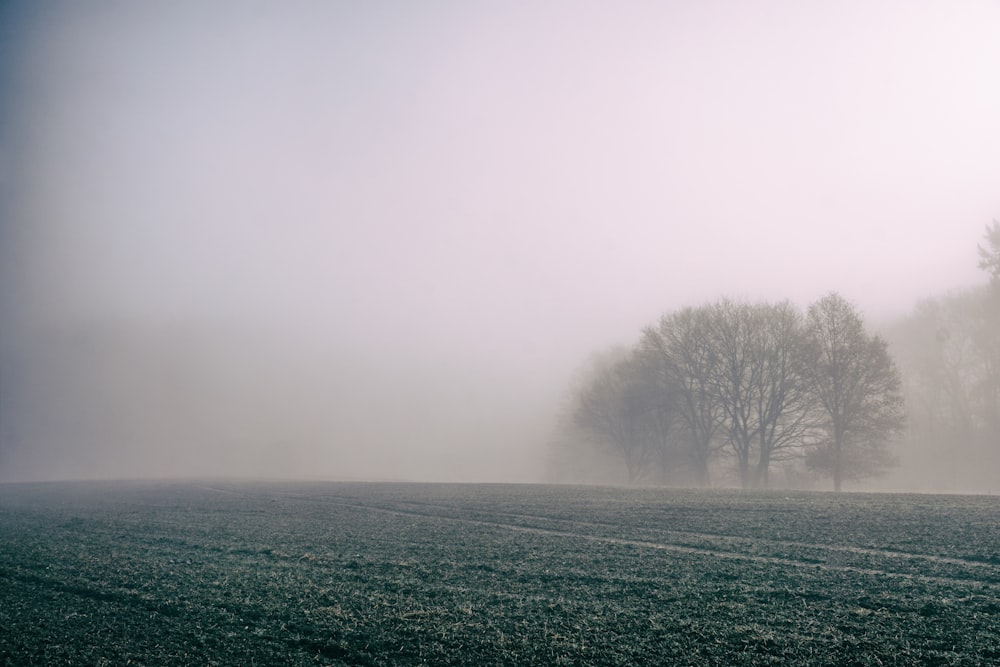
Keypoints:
pixel 230 573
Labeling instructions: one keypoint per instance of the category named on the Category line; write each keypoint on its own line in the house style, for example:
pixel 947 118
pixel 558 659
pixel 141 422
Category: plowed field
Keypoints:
pixel 223 573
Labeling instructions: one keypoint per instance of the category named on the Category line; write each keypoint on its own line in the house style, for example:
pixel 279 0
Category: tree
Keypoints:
pixel 783 405
pixel 989 256
pixel 615 408
pixel 857 386
pixel 683 361
pixel 947 349
pixel 987 334
pixel 735 376
pixel 760 378
pixel 656 408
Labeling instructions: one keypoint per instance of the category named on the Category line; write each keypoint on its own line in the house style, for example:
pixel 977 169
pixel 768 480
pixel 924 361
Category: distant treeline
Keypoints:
pixel 949 354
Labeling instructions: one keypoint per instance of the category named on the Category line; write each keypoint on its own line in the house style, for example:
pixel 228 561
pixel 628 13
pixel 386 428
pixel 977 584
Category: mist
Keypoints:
pixel 376 241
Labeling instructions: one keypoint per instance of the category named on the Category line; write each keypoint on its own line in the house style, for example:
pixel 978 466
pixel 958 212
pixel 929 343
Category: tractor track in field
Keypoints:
pixel 737 539
pixel 721 553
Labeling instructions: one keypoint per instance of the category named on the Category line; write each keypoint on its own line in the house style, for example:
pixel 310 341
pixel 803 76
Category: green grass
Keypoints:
pixel 388 574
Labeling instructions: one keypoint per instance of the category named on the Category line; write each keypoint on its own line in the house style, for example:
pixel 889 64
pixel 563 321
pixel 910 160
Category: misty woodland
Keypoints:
pixel 733 392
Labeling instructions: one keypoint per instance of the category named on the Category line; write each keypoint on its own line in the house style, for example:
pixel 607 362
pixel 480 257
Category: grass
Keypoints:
pixel 221 573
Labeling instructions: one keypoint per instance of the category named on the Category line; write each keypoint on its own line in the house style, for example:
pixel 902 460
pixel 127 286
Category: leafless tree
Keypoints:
pixel 949 348
pixel 986 332
pixel 761 379
pixel 989 255
pixel 783 407
pixel 679 351
pixel 857 385
pixel 614 407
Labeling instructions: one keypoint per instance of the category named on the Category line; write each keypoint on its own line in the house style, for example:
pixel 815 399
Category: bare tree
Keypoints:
pixel 655 405
pixel 989 255
pixel 735 376
pixel 986 333
pixel 679 352
pixel 949 347
pixel 951 387
pixel 784 406
pixel 762 383
pixel 614 407
pixel 857 386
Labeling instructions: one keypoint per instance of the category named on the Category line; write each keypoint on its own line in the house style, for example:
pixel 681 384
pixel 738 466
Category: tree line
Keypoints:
pixel 734 390
pixel 744 386
pixel 949 353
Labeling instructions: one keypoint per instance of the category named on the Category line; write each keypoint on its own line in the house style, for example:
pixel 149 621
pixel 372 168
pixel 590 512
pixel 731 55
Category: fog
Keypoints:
pixel 375 240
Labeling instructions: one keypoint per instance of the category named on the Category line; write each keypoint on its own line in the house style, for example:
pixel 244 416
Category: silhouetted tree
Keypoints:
pixel 949 347
pixel 783 402
pixel 857 387
pixel 735 375
pixel 678 349
pixel 951 387
pixel 987 333
pixel 615 408
pixel 761 381
pixel 989 255
pixel 733 336
pixel 656 407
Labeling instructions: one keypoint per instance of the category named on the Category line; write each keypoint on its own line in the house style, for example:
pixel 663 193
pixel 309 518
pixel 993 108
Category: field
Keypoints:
pixel 217 573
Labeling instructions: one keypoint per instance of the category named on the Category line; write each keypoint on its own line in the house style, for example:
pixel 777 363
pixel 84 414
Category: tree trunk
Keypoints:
pixel 762 470
pixel 745 480
pixel 702 472
pixel 837 462
pixel 633 468
pixel 699 462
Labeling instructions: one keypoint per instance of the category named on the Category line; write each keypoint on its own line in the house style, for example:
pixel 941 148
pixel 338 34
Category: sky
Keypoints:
pixel 375 240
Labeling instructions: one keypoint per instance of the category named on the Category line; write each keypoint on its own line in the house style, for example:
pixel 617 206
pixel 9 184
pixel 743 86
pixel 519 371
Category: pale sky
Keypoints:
pixel 424 216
